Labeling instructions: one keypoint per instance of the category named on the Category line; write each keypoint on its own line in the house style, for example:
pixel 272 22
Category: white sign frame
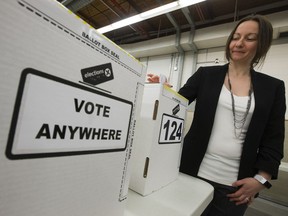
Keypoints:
pixel 21 147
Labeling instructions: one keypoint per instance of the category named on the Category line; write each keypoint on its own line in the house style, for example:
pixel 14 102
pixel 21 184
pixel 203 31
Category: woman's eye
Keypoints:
pixel 251 39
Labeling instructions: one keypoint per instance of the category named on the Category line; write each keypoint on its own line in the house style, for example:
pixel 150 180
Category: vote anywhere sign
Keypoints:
pixel 56 117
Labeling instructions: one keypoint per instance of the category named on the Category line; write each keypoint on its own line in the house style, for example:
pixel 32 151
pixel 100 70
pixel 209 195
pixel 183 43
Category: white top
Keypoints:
pixel 221 161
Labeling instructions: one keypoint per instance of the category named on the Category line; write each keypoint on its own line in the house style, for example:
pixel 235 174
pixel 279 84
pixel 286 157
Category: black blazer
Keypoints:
pixel 263 145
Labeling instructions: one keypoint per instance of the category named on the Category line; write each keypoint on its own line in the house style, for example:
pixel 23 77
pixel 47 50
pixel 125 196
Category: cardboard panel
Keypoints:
pixel 69 99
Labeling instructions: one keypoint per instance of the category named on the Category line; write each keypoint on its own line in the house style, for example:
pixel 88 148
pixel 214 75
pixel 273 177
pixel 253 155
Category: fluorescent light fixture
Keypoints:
pixel 185 3
pixel 159 10
pixel 149 14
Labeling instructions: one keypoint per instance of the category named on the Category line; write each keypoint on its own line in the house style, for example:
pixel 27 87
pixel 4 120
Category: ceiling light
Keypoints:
pixel 160 10
pixel 149 14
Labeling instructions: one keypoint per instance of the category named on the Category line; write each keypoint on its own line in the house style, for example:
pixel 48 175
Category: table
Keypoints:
pixel 186 196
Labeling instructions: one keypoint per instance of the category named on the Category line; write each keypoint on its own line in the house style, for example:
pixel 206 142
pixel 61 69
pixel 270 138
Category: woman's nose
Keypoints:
pixel 239 43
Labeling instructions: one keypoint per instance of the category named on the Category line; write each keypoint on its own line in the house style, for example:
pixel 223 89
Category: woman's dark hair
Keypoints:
pixel 265 37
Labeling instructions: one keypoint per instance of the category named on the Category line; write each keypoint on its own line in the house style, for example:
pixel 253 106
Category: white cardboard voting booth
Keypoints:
pixel 158 139
pixel 68 101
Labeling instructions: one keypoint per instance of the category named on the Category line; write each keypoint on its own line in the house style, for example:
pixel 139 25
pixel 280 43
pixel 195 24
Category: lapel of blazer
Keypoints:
pixel 258 116
pixel 213 85
pixel 216 84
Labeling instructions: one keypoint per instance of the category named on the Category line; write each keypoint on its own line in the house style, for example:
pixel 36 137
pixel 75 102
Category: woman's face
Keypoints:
pixel 243 45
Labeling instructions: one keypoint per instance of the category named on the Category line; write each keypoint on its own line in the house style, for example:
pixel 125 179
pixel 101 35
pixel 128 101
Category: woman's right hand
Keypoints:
pixel 152 78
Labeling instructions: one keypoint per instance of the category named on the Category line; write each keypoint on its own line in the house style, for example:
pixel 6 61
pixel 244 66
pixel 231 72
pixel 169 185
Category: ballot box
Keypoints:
pixel 68 104
pixel 158 139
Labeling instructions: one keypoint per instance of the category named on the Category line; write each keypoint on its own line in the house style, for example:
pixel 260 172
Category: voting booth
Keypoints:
pixel 69 99
pixel 158 139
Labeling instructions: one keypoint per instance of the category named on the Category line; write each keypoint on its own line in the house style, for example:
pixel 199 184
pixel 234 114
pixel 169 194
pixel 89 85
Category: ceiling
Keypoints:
pixel 99 13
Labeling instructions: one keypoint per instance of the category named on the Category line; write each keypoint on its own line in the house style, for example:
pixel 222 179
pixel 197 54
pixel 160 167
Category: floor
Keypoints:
pixel 262 207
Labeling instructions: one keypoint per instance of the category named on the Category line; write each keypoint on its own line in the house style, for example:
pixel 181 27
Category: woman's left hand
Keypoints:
pixel 248 188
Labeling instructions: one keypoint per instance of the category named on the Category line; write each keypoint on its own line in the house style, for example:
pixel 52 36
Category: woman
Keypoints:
pixel 236 138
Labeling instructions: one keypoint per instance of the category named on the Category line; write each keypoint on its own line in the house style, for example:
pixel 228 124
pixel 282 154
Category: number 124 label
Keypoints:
pixel 171 129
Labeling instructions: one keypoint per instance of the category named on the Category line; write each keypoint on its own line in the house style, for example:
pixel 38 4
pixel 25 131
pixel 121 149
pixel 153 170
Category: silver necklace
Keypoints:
pixel 239 119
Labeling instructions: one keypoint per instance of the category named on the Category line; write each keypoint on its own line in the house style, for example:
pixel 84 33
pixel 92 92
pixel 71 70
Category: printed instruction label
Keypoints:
pixel 56 117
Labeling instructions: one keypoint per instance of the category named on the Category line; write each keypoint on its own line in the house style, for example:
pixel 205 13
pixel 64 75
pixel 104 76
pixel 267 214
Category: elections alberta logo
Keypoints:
pixel 97 74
